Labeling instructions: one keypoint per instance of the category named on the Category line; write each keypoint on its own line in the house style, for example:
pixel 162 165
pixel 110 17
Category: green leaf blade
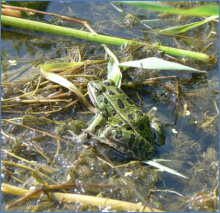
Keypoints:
pixel 154 63
pixel 67 84
pixel 114 72
pixel 181 29
pixel 206 10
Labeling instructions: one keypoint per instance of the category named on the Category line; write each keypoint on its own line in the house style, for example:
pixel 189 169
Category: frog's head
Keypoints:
pixel 96 90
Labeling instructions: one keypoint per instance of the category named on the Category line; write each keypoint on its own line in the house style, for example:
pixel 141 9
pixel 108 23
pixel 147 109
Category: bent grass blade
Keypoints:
pixel 67 84
pixel 164 168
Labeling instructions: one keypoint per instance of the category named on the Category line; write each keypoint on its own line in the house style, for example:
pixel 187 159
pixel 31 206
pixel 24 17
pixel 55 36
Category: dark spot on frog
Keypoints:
pixel 155 136
pixel 139 113
pixel 148 139
pixel 128 128
pixel 105 100
pixel 136 153
pixel 141 126
pixel 129 101
pixel 103 89
pixel 118 90
pixel 120 123
pixel 131 116
pixel 141 143
pixel 107 83
pixel 121 104
pixel 118 134
pixel 97 128
pixel 131 140
pixel 111 93
pixel 114 112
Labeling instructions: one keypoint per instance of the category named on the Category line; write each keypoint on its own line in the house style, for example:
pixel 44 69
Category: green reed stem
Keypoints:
pixel 49 28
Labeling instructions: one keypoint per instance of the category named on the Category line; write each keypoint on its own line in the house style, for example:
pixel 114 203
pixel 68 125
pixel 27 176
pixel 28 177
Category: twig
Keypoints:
pixel 86 199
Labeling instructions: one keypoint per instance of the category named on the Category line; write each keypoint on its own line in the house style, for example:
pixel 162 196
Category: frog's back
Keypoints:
pixel 128 110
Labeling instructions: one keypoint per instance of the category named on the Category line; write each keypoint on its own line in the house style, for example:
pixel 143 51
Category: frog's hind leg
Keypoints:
pixel 128 143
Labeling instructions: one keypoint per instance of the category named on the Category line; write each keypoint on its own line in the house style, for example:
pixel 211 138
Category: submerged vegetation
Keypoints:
pixel 44 165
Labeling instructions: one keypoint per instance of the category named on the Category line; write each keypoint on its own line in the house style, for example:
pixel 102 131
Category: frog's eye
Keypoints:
pixel 98 88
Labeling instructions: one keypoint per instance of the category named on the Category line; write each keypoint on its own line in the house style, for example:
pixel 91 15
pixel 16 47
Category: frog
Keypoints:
pixel 127 129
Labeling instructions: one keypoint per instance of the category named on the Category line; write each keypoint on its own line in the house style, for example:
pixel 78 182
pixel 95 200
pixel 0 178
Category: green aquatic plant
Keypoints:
pixel 49 28
pixel 206 10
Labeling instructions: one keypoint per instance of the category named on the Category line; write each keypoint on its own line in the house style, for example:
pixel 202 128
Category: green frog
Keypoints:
pixel 127 128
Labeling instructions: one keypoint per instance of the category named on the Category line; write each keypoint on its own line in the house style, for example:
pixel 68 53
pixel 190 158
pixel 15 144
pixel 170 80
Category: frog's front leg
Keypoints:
pixel 157 129
pixel 93 127
pixel 127 142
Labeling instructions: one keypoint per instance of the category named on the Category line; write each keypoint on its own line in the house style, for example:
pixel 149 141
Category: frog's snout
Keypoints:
pixel 95 87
